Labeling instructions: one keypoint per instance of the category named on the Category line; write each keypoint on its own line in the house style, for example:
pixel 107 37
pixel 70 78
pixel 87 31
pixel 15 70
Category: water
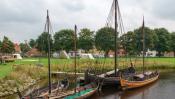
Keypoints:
pixel 164 88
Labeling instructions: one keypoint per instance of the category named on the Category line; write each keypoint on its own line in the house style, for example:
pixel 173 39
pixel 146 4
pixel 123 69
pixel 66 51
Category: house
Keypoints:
pixel 86 56
pixel 17 56
pixel 169 54
pixel 6 58
pixel 150 53
pixel 62 54
pixel 17 48
pixel 34 52
pixel 72 53
pixel 121 52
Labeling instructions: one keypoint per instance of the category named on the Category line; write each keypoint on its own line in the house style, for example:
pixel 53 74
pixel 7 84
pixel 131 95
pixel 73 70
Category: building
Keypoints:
pixel 121 52
pixel 150 53
pixel 17 48
pixel 169 54
pixel 34 52
pixel 72 53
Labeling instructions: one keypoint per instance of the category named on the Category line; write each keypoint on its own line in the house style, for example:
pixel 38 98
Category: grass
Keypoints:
pixel 99 65
pixel 5 70
pixel 25 71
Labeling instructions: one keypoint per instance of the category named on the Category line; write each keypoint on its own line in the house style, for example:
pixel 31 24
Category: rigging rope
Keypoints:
pixel 110 19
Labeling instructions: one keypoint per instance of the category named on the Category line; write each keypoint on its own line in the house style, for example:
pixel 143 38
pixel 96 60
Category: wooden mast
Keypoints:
pixel 116 38
pixel 48 41
pixel 75 57
pixel 143 37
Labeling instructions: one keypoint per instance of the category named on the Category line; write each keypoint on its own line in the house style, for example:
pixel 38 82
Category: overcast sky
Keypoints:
pixel 24 19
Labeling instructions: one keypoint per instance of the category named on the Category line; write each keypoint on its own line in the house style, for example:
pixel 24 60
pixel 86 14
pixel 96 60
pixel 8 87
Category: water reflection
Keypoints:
pixel 164 88
pixel 140 93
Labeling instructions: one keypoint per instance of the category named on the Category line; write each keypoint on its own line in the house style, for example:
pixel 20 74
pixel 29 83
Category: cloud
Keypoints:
pixel 24 19
pixel 164 9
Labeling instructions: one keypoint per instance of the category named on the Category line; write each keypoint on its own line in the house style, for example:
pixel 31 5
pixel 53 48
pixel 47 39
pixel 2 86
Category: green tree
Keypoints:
pixel 150 39
pixel 32 43
pixel 104 39
pixel 86 39
pixel 0 44
pixel 7 46
pixel 172 44
pixel 128 41
pixel 64 40
pixel 163 43
pixel 24 47
pixel 42 42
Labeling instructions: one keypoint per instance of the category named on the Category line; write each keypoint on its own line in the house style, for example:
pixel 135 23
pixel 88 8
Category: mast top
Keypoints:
pixel 75 26
pixel 47 12
pixel 143 22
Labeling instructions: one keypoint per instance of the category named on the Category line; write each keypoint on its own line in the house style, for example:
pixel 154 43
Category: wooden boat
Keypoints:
pixel 59 91
pixel 43 91
pixel 109 78
pixel 139 80
pixel 83 92
pixel 113 77
pixel 85 89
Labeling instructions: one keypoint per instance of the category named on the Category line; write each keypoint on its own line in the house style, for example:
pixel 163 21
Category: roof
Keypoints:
pixel 17 47
pixel 34 52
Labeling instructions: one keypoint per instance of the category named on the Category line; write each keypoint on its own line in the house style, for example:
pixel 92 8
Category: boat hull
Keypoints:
pixel 108 78
pixel 126 84
pixel 106 81
pixel 89 94
pixel 86 92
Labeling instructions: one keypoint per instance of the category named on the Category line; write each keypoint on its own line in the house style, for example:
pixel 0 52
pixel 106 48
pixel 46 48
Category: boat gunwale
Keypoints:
pixel 141 81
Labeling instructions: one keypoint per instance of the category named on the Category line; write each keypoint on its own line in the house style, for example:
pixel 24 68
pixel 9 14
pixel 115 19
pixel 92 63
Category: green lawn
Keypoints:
pixel 67 64
pixel 5 70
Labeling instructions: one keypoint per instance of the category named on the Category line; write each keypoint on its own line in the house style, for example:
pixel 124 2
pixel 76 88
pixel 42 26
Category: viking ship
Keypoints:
pixel 60 90
pixel 139 80
pixel 113 77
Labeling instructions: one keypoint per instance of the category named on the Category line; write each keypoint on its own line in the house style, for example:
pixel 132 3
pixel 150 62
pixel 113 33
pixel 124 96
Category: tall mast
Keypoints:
pixel 116 37
pixel 143 37
pixel 75 57
pixel 48 41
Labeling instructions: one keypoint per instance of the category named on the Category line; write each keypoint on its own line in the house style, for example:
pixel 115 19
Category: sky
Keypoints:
pixel 24 19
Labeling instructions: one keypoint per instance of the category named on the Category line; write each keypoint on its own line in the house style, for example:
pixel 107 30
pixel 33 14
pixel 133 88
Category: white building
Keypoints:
pixel 62 54
pixel 150 53
pixel 86 56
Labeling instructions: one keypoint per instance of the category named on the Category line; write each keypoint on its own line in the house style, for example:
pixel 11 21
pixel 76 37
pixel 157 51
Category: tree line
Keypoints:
pixel 159 39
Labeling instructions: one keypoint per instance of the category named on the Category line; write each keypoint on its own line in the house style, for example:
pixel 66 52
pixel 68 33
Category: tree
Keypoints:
pixel 32 43
pixel 128 41
pixel 163 40
pixel 150 39
pixel 104 39
pixel 86 39
pixel 0 44
pixel 24 47
pixel 64 40
pixel 42 42
pixel 172 44
pixel 7 46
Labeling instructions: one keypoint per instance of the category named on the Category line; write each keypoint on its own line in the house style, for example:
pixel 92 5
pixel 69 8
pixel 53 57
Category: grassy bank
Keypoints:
pixel 97 64
pixel 26 72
